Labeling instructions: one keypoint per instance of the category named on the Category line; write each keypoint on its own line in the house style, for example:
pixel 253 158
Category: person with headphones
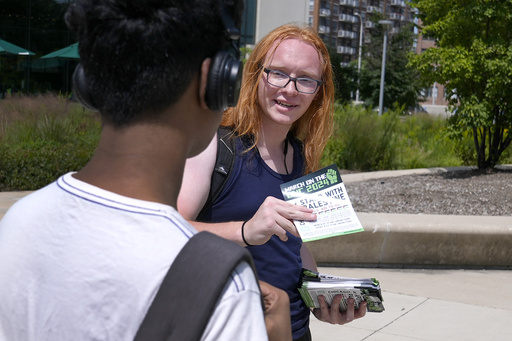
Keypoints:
pixel 82 258
pixel 280 126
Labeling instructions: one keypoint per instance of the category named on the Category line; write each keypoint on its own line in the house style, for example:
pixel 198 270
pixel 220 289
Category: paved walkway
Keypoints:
pixel 426 304
pixel 429 305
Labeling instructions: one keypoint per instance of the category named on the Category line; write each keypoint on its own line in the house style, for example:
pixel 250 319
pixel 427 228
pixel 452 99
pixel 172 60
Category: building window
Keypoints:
pixel 248 29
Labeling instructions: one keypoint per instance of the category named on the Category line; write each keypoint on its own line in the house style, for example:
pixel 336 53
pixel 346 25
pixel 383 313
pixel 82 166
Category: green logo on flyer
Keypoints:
pixel 331 176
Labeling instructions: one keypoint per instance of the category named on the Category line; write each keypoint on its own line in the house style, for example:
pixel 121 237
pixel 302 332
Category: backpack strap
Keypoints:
pixel 223 165
pixel 191 288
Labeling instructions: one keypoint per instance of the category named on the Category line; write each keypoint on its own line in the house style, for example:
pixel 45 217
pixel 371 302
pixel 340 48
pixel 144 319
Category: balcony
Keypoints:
pixel 346 50
pixel 348 18
pixel 325 12
pixel 373 9
pixel 396 16
pixel 400 3
pixel 347 34
pixel 369 24
pixel 324 29
pixel 350 3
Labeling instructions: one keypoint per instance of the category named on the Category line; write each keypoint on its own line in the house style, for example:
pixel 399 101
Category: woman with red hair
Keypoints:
pixel 281 125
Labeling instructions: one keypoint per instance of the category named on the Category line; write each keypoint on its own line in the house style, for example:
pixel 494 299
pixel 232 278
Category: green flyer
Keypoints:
pixel 324 192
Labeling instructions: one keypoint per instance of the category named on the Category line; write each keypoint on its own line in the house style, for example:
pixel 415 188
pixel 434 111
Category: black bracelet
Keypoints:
pixel 243 237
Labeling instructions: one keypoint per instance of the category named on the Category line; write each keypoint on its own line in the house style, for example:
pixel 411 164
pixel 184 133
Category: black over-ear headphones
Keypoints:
pixel 81 88
pixel 224 77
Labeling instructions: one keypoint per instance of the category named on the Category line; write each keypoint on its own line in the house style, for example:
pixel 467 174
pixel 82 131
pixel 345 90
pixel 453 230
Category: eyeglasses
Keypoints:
pixel 302 84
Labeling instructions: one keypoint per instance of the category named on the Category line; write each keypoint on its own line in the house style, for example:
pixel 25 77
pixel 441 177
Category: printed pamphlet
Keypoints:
pixel 324 192
pixel 314 284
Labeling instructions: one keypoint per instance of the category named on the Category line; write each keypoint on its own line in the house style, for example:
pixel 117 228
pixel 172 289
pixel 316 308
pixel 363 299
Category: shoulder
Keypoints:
pixel 28 205
pixel 242 280
pixel 197 181
pixel 239 313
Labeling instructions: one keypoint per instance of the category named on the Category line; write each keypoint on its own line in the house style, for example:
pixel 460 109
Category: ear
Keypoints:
pixel 205 69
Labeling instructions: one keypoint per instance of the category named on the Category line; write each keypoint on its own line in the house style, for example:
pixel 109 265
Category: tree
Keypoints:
pixel 344 78
pixel 473 59
pixel 402 86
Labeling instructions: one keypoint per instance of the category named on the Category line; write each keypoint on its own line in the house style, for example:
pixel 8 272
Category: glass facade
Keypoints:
pixel 38 26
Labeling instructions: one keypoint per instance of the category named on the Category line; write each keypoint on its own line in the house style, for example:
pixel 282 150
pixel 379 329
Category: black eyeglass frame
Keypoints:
pixel 292 79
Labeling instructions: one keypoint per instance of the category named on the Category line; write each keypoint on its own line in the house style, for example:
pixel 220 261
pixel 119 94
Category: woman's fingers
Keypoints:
pixel 275 216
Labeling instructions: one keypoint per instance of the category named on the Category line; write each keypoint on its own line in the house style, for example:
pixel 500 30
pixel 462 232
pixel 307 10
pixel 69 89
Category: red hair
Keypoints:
pixel 314 127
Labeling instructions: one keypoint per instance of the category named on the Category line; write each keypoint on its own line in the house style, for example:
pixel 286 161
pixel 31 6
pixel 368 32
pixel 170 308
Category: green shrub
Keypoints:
pixel 36 164
pixel 362 140
pixel 464 148
pixel 423 143
pixel 42 138
pixel 506 156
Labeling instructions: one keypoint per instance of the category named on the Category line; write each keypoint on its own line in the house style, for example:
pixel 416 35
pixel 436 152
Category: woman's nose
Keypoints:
pixel 291 88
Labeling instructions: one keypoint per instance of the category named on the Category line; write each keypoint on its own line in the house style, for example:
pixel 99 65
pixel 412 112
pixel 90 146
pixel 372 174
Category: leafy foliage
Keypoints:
pixel 474 62
pixel 344 78
pixel 364 141
pixel 402 86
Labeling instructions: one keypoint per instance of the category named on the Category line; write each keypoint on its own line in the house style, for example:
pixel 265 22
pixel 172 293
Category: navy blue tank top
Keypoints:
pixel 277 262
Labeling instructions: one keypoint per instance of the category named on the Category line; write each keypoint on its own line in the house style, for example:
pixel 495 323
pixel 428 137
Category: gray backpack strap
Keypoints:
pixel 189 292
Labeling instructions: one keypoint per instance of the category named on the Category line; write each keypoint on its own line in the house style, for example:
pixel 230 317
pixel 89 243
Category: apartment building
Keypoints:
pixel 343 23
pixel 435 99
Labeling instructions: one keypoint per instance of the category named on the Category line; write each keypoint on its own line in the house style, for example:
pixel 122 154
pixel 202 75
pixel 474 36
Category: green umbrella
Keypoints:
pixel 8 48
pixel 69 52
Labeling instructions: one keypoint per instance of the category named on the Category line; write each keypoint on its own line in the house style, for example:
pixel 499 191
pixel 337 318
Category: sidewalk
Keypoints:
pixel 7 199
pixel 434 305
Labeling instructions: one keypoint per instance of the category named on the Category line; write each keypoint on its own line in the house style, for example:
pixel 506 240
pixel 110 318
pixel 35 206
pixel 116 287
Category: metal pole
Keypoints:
pixel 385 24
pixel 29 61
pixel 359 59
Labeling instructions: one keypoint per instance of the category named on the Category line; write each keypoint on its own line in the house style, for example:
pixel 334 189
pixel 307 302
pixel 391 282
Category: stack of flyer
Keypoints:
pixel 324 192
pixel 314 284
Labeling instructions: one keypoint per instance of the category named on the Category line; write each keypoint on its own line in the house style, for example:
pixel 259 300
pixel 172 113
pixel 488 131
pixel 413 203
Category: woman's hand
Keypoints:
pixel 275 216
pixel 333 314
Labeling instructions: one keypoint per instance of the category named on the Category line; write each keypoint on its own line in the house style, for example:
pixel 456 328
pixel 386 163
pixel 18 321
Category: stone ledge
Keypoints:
pixel 405 240
pixel 401 240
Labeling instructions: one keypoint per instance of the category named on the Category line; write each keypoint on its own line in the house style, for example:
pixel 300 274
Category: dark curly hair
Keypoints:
pixel 139 56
